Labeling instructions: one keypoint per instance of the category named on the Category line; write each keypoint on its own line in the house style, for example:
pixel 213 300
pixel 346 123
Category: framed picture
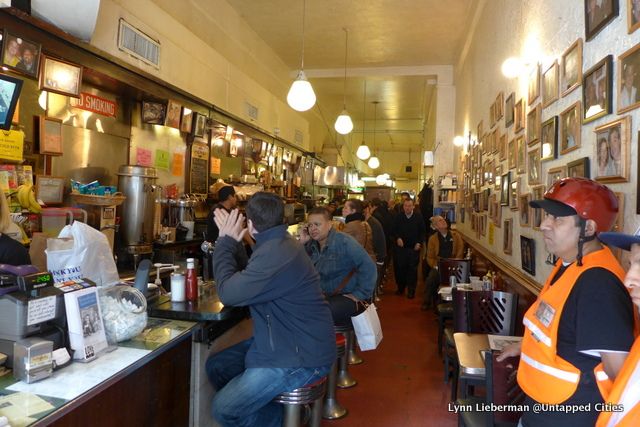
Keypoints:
pixel 570 128
pixel 618 225
pixel 199 125
pixel 533 167
pixel 628 68
pixel 505 185
pixel 20 54
pixel 507 236
pixel 497 219
pixel 549 139
pixel 596 90
pixel 521 152
pixel 533 125
pixel 50 189
pixel 10 88
pixel 518 113
pixel 528 254
pixel 597 14
pixel 534 84
pixel 511 163
pixel 153 112
pixel 499 105
pixel 612 151
pixel 523 209
pixel 633 15
pixel 186 122
pixel 556 174
pixel 537 193
pixel 172 118
pixel 502 146
pixel 578 168
pixel 61 77
pixel 492 115
pixel 480 130
pixel 571 68
pixel 550 85
pixel 483 225
pixel 514 191
pixel 509 105
pixel 497 173
pixel 50 136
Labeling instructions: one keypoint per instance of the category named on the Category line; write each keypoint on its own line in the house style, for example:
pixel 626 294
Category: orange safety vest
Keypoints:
pixel 542 374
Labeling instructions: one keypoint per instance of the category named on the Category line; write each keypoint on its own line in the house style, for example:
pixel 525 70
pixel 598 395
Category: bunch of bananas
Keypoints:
pixel 27 198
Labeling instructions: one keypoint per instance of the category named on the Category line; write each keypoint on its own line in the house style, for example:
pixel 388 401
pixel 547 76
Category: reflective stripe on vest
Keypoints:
pixel 537 332
pixel 601 376
pixel 558 373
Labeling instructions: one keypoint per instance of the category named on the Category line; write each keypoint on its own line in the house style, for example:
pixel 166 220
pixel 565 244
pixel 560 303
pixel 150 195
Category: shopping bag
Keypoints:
pixel 88 257
pixel 367 328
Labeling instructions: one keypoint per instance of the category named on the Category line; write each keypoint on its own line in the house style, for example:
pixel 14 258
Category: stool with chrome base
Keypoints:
pixel 331 409
pixel 345 380
pixel 294 400
pixel 353 357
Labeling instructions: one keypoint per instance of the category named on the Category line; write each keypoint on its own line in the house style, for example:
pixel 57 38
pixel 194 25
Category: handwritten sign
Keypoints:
pixel 143 157
pixel 40 310
pixel 199 168
pixel 216 165
pixel 11 144
pixel 162 159
pixel 177 166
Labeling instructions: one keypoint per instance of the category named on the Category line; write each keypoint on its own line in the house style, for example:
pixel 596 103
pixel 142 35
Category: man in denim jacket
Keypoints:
pixel 293 342
pixel 347 272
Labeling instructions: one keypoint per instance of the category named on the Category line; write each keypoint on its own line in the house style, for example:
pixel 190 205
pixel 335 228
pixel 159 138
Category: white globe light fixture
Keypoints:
pixel 301 96
pixel 363 152
pixel 374 162
pixel 343 124
pixel 381 179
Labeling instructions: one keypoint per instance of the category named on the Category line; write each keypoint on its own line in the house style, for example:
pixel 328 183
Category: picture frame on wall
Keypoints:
pixel 596 90
pixel 533 125
pixel 172 118
pixel 60 76
pixel 549 139
pixel 556 174
pixel 534 84
pixel 507 236
pixel 513 159
pixel 597 15
pixel 628 79
pixel 502 147
pixel 199 125
pixel 20 55
pixel 534 169
pixel 514 191
pixel 633 15
pixel 499 106
pixel 153 113
pixel 570 128
pixel 612 151
pixel 521 152
pixel 571 68
pixel 523 209
pixel 578 168
pixel 528 254
pixel 509 105
pixel 480 130
pixel 505 185
pixel 550 85
pixel 50 136
pixel 537 193
pixel 518 113
pixel 497 173
pixel 186 122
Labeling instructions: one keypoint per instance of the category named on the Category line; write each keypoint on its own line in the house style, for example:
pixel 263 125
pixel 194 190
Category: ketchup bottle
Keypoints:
pixel 191 281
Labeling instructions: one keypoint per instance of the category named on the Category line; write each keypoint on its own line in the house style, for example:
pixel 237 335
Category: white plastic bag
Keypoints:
pixel 367 328
pixel 90 257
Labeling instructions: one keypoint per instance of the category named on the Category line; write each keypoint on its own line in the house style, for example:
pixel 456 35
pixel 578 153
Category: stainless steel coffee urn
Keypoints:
pixel 137 228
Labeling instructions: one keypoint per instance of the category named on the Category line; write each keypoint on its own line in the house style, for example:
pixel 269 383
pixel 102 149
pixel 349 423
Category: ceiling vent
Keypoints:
pixel 299 137
pixel 138 44
pixel 252 111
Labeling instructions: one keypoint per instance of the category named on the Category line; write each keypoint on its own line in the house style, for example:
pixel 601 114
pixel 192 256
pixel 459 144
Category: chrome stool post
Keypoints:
pixel 331 409
pixel 354 358
pixel 345 380
pixel 311 394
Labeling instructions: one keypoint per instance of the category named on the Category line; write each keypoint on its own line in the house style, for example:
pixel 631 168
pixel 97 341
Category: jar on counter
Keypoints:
pixel 124 311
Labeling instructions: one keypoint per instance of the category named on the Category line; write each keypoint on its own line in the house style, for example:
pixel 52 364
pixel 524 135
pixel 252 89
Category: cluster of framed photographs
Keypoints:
pixel 172 114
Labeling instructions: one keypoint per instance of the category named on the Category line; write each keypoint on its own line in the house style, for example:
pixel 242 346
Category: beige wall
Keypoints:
pixel 504 29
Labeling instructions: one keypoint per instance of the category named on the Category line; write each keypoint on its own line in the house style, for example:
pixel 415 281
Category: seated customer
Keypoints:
pixel 293 343
pixel 11 251
pixel 444 243
pixel 347 273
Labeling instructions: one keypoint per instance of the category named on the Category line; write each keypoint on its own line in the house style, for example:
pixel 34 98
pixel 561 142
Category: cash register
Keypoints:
pixel 30 306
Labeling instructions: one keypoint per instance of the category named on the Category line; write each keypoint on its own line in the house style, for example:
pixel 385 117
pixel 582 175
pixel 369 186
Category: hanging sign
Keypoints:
pixel 11 144
pixel 95 104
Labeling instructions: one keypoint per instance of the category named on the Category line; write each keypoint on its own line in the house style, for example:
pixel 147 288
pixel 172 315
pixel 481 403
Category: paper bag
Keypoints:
pixel 367 328
pixel 89 257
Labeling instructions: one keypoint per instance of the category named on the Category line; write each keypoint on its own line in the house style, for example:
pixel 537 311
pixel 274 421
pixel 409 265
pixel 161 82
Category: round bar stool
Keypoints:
pixel 331 409
pixel 345 380
pixel 310 394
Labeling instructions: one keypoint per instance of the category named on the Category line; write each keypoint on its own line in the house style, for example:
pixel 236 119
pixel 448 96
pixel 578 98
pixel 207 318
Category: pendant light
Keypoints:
pixel 374 162
pixel 363 152
pixel 343 124
pixel 301 96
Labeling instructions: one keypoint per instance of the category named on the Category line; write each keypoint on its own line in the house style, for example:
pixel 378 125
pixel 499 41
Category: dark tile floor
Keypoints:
pixel 401 382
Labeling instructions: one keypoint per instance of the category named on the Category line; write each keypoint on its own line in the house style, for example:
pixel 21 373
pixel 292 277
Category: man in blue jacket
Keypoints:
pixel 293 341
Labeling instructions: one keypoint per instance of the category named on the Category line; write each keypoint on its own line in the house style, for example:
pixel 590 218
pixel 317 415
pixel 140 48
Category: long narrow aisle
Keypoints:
pixel 401 382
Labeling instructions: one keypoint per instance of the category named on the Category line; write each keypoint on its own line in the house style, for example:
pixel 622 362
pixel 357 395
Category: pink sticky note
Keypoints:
pixel 143 157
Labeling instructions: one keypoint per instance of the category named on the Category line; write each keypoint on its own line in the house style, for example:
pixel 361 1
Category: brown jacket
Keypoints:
pixel 433 247
pixel 361 231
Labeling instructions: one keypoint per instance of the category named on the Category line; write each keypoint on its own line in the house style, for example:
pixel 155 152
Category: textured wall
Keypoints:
pixel 511 28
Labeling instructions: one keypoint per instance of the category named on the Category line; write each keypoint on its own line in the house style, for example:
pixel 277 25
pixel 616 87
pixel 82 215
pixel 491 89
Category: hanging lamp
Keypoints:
pixel 343 124
pixel 374 162
pixel 363 152
pixel 301 96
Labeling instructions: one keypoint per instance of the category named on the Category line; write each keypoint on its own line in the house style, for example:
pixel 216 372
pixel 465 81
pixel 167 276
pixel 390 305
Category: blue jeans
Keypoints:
pixel 244 396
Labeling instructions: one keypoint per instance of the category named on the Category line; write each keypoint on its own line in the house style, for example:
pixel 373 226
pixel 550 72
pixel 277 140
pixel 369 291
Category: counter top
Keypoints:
pixel 45 401
pixel 207 307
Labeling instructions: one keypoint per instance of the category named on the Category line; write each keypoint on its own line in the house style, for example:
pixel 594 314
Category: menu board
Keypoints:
pixel 199 171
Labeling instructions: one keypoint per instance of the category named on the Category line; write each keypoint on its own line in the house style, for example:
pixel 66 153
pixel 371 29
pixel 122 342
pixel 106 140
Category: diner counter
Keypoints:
pixel 143 381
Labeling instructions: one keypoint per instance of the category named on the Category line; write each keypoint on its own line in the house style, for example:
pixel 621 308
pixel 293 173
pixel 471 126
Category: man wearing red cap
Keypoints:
pixel 569 355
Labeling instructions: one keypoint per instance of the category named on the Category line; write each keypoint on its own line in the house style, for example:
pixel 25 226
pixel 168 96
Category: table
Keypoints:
pixel 469 348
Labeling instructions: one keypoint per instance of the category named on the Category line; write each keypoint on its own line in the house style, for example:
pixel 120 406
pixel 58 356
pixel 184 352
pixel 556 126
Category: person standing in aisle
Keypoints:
pixel 356 226
pixel 409 233
pixel 444 243
pixel 379 244
pixel 625 393
pixel 569 355
pixel 347 272
pixel 293 341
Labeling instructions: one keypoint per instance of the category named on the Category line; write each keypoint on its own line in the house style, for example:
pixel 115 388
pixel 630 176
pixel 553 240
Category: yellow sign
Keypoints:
pixel 200 151
pixel 491 231
pixel 215 166
pixel 11 144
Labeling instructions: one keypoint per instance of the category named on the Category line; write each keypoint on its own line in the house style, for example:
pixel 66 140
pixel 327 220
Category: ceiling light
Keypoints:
pixel 381 179
pixel 458 141
pixel 363 152
pixel 301 96
pixel 343 124
pixel 374 162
